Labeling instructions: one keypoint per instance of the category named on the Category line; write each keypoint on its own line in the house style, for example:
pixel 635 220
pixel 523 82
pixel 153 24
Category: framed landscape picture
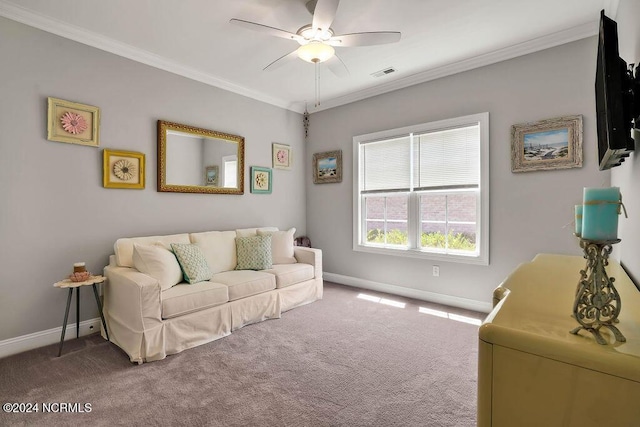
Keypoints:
pixel 72 122
pixel 281 156
pixel 211 176
pixel 327 167
pixel 547 144
pixel 261 179
pixel 122 169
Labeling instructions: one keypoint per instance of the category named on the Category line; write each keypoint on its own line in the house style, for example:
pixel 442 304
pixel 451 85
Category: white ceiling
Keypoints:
pixel 193 38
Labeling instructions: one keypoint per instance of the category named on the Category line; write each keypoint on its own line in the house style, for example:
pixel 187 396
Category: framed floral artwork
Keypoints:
pixel 327 167
pixel 547 144
pixel 211 176
pixel 122 169
pixel 261 180
pixel 281 156
pixel 72 122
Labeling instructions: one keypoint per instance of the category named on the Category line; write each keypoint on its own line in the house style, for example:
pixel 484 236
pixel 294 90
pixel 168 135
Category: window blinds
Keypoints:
pixel 386 165
pixel 448 159
pixel 442 159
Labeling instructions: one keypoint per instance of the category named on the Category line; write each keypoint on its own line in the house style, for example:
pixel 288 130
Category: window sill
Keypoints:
pixel 434 256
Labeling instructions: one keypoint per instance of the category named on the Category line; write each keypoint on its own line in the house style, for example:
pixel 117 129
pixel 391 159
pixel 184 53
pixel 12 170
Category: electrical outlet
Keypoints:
pixel 436 271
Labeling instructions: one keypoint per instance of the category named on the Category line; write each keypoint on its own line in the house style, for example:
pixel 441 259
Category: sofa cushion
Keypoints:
pixel 192 261
pixel 219 249
pixel 281 245
pixel 290 274
pixel 157 262
pixel 182 299
pixel 245 283
pixel 124 247
pixel 254 253
pixel 249 232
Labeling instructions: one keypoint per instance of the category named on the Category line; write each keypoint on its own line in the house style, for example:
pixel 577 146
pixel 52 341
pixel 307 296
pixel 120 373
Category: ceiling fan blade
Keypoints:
pixel 337 67
pixel 365 39
pixel 284 59
pixel 266 29
pixel 324 14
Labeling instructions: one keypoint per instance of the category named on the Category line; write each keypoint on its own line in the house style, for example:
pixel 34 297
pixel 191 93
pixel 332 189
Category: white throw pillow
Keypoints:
pixel 281 245
pixel 250 232
pixel 219 249
pixel 157 262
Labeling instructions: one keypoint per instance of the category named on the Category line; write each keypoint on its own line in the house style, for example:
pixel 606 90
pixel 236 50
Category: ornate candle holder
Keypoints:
pixel 597 301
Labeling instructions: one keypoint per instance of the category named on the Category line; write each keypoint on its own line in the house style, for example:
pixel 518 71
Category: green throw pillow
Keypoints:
pixel 254 253
pixel 191 259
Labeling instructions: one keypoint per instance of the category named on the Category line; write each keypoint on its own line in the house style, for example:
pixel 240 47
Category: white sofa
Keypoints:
pixel 150 317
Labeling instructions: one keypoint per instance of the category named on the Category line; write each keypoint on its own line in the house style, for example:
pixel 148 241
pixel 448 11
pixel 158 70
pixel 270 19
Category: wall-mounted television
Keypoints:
pixel 617 99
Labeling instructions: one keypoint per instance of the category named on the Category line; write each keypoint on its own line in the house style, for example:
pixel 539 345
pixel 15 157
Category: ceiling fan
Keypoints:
pixel 317 40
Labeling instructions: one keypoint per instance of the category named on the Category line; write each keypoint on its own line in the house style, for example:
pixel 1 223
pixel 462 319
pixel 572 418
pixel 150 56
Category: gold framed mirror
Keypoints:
pixel 196 160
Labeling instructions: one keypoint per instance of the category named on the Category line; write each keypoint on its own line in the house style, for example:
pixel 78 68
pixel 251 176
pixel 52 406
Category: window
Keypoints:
pixel 423 191
pixel 230 171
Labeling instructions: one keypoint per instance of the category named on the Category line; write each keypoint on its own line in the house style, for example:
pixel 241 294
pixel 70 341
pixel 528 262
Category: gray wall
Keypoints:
pixel 528 210
pixel 54 210
pixel 627 176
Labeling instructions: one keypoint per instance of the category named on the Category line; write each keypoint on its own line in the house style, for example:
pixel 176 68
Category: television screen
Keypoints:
pixel 613 98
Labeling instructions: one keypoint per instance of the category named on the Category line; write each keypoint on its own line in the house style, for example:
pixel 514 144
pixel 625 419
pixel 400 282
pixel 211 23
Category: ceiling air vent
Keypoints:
pixel 384 72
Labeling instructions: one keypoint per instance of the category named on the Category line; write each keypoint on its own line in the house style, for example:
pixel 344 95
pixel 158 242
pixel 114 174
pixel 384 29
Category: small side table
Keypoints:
pixel 67 283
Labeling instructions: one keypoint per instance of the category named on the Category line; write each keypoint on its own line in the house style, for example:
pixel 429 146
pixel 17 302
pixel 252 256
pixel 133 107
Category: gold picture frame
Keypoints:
pixel 547 144
pixel 327 167
pixel 72 122
pixel 123 169
pixel 281 156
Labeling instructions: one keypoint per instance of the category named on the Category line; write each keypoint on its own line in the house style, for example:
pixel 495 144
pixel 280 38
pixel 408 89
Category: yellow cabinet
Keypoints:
pixel 533 372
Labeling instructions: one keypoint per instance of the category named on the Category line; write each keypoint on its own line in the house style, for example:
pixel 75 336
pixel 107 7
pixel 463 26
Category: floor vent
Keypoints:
pixel 384 72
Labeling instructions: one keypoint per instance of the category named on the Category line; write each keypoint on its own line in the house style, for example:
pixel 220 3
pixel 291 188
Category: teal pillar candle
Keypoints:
pixel 579 220
pixel 600 213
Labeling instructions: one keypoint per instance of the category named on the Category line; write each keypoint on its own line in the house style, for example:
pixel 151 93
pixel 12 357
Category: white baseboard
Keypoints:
pixel 468 304
pixel 50 336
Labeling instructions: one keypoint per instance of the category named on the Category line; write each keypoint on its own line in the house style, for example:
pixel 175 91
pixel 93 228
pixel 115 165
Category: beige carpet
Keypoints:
pixel 342 361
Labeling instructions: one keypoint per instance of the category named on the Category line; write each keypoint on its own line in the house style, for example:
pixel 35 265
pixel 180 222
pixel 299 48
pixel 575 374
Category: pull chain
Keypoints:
pixel 317 72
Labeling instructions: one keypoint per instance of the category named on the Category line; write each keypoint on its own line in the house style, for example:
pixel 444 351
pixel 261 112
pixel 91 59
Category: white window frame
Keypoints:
pixel 413 251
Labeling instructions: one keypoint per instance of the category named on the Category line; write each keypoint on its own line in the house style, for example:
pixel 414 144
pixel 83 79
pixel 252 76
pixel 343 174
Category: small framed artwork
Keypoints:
pixel 122 169
pixel 261 180
pixel 211 176
pixel 281 156
pixel 327 167
pixel 547 144
pixel 72 122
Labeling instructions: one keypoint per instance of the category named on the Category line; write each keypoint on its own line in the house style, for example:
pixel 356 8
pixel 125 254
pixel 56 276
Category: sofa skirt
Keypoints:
pixel 300 294
pixel 170 336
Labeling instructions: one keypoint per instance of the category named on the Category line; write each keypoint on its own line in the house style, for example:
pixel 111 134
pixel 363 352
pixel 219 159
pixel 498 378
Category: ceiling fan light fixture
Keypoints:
pixel 315 52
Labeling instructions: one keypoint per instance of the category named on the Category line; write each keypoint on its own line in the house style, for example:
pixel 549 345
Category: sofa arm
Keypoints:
pixel 310 256
pixel 133 298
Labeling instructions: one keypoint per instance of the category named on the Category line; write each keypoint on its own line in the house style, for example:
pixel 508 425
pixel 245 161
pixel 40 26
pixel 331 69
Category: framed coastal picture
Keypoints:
pixel 327 167
pixel 72 122
pixel 211 176
pixel 122 169
pixel 281 156
pixel 547 144
pixel 261 179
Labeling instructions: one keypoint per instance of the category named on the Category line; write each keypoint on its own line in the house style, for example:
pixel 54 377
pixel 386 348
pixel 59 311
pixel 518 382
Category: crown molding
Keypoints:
pixel 62 29
pixel 552 40
pixel 45 23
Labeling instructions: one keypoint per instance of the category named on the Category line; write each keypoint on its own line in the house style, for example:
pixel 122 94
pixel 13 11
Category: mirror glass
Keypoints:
pixel 196 160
